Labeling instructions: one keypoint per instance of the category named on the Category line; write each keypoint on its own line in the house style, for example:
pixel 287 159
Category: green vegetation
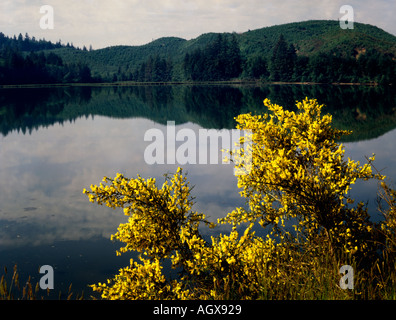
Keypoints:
pixel 17 66
pixel 310 51
pixel 298 178
pixel 220 60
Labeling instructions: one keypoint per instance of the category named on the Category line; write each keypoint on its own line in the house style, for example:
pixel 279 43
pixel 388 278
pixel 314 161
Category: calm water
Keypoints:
pixel 56 141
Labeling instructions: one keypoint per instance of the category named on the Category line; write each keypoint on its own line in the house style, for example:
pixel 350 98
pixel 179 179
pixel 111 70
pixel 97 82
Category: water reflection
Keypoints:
pixel 56 141
pixel 368 111
pixel 43 175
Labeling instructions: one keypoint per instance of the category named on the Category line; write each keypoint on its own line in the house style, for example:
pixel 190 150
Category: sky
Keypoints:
pixel 103 23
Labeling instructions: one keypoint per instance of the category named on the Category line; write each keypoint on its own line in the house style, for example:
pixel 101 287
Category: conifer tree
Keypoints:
pixel 282 61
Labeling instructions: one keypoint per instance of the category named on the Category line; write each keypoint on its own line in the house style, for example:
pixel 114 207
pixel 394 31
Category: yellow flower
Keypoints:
pixel 298 176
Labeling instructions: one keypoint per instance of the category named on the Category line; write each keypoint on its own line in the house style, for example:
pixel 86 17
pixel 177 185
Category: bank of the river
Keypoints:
pixel 173 83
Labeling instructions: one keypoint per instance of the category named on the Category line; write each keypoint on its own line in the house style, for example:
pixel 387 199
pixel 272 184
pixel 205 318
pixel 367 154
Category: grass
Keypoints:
pixel 319 280
pixel 28 291
pixel 313 275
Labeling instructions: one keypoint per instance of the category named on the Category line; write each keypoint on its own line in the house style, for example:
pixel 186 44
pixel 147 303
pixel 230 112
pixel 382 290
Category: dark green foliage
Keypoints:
pixel 38 68
pixel 26 43
pixel 19 67
pixel 310 51
pixel 256 68
pixel 315 36
pixel 155 69
pixel 220 60
pixel 282 61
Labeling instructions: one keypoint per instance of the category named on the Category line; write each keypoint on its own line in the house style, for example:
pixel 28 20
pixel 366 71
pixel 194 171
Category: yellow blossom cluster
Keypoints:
pixel 299 171
pixel 156 215
pixel 298 176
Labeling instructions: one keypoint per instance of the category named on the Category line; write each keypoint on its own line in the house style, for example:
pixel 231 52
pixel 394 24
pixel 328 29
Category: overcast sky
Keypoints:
pixel 103 23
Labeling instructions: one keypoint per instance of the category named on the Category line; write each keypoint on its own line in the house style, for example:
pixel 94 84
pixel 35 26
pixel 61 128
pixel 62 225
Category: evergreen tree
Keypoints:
pixel 291 62
pixel 221 60
pixel 169 69
pixel 233 62
pixel 301 72
pixel 282 61
pixel 256 67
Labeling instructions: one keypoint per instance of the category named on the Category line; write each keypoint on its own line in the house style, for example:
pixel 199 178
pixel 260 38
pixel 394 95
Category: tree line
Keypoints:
pixel 35 68
pixel 154 69
pixel 28 43
pixel 219 60
pixel 222 60
pixel 335 66
pixel 22 61
pixel 19 67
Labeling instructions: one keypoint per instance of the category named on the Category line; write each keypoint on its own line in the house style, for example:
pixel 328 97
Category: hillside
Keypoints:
pixel 307 47
pixel 310 38
pixel 108 60
pixel 320 36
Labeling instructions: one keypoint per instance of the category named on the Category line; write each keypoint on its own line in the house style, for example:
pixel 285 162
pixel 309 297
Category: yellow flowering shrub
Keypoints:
pixel 298 176
pixel 298 171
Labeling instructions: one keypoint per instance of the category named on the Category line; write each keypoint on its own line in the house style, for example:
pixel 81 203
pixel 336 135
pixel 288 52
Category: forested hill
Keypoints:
pixel 315 51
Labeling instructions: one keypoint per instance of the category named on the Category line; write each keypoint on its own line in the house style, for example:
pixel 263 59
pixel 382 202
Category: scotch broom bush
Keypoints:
pixel 298 177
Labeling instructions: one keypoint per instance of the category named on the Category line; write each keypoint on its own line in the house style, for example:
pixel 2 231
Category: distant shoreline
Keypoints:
pixel 173 83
